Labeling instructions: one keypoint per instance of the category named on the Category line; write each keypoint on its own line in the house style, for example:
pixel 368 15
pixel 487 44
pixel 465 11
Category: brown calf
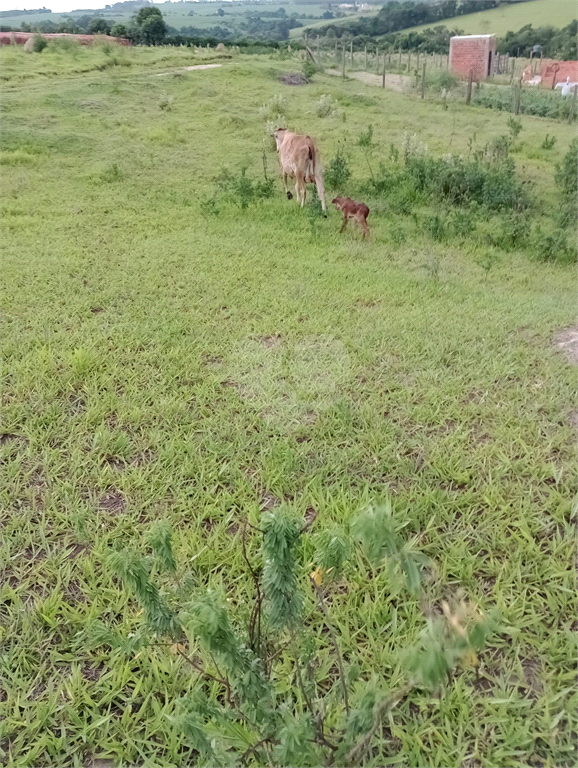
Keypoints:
pixel 352 210
pixel 299 161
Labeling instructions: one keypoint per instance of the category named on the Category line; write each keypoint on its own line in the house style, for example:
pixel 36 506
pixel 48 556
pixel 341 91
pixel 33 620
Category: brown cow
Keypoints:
pixel 299 161
pixel 352 210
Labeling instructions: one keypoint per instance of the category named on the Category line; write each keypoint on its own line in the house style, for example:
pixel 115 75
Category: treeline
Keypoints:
pixel 396 16
pixel 556 43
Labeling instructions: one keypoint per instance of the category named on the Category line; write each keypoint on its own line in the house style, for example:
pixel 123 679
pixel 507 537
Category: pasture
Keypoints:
pixel 175 350
pixel 506 18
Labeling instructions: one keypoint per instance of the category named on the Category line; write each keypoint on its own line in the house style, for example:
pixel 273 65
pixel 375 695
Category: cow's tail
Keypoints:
pixel 317 174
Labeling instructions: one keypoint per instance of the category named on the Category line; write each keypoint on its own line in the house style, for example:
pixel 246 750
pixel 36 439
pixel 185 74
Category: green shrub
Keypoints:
pixel 533 102
pixel 259 691
pixel 309 69
pixel 551 246
pixel 338 173
pixel 567 181
pixel 241 190
pixel 39 44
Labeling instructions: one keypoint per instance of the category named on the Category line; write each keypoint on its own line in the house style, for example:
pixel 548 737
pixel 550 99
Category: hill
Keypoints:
pixel 506 18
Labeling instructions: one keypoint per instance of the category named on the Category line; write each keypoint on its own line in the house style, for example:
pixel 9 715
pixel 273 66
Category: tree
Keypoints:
pixel 98 26
pixel 118 30
pixel 150 25
pixel 220 12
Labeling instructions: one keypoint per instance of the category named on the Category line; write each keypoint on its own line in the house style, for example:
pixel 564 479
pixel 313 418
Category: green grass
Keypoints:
pixel 164 362
pixel 506 18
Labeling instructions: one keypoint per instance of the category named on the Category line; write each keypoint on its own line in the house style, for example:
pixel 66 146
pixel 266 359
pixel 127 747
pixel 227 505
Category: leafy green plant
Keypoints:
pixel 548 142
pixel 239 708
pixel 326 106
pixel 365 141
pixel 567 181
pixel 39 43
pixel 309 69
pixel 338 173
pixel 514 127
pixel 241 190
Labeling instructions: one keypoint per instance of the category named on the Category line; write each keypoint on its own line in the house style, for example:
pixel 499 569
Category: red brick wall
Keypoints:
pixel 565 69
pixel 470 54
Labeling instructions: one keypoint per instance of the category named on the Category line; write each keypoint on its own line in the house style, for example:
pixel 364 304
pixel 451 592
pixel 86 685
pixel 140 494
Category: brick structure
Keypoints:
pixel 542 73
pixel 472 53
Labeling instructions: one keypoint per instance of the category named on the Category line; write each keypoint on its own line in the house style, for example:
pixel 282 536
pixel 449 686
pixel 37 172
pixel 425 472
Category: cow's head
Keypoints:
pixel 278 136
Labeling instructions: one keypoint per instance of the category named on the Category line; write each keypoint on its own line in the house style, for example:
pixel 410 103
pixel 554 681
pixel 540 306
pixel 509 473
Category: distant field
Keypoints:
pixel 177 14
pixel 323 22
pixel 538 13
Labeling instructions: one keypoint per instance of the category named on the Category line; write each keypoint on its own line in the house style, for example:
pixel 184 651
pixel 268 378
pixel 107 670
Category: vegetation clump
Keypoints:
pixel 256 694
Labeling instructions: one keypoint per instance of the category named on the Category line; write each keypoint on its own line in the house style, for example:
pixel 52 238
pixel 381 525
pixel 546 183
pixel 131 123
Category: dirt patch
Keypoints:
pixel 270 341
pixel 399 83
pixel 113 502
pixel 268 501
pixel 294 78
pixel 190 69
pixel 567 342
pixel 7 437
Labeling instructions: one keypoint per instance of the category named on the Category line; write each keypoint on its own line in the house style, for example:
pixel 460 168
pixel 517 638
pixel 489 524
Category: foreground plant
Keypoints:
pixel 258 696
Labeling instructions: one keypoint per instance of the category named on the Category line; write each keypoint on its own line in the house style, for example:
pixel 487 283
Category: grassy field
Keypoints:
pixel 506 18
pixel 539 13
pixel 170 355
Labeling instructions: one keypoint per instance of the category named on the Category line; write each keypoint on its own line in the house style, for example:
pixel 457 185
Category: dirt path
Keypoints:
pixel 399 83
pixel 188 69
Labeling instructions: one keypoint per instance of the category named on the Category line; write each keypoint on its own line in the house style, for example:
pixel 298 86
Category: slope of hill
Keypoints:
pixel 538 13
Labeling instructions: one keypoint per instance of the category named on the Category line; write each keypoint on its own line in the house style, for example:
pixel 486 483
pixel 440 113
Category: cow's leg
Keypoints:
pixel 289 195
pixel 344 223
pixel 300 188
pixel 363 225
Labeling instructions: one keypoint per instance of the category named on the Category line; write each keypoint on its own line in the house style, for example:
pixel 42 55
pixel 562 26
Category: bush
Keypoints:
pixel 260 687
pixel 567 181
pixel 460 182
pixel 338 173
pixel 551 246
pixel 533 102
pixel 325 107
pixel 39 43
pixel 241 190
pixel 309 69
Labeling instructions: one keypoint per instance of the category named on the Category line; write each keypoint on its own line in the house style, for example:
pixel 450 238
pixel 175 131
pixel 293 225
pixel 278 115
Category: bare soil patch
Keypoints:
pixel 399 83
pixel 567 342
pixel 294 78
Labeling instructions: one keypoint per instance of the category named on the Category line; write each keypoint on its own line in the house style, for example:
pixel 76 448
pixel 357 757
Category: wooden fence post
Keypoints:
pixel 365 59
pixel 383 76
pixel 399 65
pixel 351 51
pixel 408 62
pixel 469 91
pixel 336 50
pixel 343 62
pixel 423 82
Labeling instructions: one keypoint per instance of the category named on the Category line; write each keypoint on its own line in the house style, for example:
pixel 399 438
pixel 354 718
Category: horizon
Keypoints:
pixel 68 6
